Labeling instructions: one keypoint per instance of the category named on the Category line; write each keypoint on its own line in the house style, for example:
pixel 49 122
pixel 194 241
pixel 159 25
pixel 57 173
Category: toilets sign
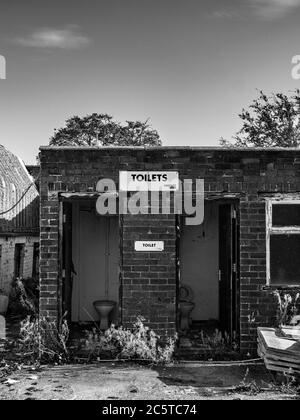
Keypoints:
pixel 152 192
pixel 148 181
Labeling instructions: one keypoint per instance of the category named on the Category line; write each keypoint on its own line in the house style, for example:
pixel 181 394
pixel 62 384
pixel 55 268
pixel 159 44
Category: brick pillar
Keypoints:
pixel 258 307
pixel 49 256
pixel 149 278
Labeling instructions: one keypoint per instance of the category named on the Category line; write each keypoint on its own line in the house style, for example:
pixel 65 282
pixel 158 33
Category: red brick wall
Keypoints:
pixel 149 280
pixel 49 254
pixel 256 304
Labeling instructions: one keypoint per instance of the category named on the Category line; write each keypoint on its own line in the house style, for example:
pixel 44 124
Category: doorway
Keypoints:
pixel 91 259
pixel 208 261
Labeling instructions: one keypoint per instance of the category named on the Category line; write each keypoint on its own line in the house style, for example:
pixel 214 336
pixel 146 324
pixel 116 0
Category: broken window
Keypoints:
pixel 283 243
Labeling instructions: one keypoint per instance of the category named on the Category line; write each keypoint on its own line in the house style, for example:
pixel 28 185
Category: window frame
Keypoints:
pixel 277 230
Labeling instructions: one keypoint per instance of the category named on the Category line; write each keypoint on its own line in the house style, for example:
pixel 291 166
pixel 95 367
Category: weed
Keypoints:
pixel 218 345
pixel 41 339
pixel 140 342
pixel 288 384
pixel 288 307
pixel 248 387
pixel 24 297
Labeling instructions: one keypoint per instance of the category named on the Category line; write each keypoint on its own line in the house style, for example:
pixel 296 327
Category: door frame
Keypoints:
pixel 65 257
pixel 229 290
pixel 233 203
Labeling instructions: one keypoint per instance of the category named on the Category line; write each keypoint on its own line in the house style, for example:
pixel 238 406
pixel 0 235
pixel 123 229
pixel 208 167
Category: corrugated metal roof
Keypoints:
pixel 167 148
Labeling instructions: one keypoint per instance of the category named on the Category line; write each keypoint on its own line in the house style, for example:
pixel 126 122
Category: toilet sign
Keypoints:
pixel 149 246
pixel 148 181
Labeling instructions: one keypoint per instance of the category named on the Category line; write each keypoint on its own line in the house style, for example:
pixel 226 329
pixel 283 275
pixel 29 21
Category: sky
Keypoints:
pixel 189 66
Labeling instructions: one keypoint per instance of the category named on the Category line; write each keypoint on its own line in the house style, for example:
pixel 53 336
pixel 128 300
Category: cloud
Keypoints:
pixel 267 10
pixel 224 14
pixel 68 38
pixel 273 9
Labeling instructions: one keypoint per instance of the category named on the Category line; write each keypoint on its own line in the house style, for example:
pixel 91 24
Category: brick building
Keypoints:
pixel 247 245
pixel 19 221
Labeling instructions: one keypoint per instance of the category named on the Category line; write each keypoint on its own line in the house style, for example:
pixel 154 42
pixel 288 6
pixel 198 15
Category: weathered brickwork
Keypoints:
pixel 49 254
pixel 257 306
pixel 149 280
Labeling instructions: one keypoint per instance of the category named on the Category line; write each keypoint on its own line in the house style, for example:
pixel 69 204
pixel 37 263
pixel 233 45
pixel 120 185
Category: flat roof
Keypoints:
pixel 203 148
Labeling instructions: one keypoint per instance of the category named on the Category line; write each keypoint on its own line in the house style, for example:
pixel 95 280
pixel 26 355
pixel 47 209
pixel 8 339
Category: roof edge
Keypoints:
pixel 203 148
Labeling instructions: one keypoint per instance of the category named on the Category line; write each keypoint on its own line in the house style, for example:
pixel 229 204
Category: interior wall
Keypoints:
pixel 199 263
pixel 96 262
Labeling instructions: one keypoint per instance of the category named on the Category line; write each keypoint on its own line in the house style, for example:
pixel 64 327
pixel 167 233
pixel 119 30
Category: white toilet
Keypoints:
pixel 185 306
pixel 104 309
pixel 2 328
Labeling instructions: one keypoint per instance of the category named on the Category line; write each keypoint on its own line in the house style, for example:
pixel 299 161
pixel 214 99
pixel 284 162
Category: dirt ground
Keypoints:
pixel 113 381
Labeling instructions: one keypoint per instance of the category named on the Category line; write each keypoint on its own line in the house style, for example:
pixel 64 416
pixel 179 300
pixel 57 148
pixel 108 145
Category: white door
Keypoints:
pixel 199 264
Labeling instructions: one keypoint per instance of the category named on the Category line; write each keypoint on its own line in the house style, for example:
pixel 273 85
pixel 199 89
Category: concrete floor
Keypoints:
pixel 113 381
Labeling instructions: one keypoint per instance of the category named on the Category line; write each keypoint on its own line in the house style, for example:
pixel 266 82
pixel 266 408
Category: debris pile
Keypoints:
pixel 280 349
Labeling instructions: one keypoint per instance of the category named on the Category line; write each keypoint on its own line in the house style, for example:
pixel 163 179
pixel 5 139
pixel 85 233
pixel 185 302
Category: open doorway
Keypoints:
pixel 208 272
pixel 91 260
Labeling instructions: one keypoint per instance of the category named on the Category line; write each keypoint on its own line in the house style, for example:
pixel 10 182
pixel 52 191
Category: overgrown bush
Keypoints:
pixel 24 297
pixel 140 342
pixel 288 307
pixel 41 340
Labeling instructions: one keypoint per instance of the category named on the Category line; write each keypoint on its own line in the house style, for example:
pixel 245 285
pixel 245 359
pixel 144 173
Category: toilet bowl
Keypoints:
pixel 185 306
pixel 104 308
pixel 185 310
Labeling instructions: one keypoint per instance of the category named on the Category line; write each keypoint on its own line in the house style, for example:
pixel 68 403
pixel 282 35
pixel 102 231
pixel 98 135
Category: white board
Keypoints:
pixel 149 246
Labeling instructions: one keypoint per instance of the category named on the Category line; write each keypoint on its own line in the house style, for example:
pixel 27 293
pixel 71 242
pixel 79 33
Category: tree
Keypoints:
pixel 102 130
pixel 271 121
